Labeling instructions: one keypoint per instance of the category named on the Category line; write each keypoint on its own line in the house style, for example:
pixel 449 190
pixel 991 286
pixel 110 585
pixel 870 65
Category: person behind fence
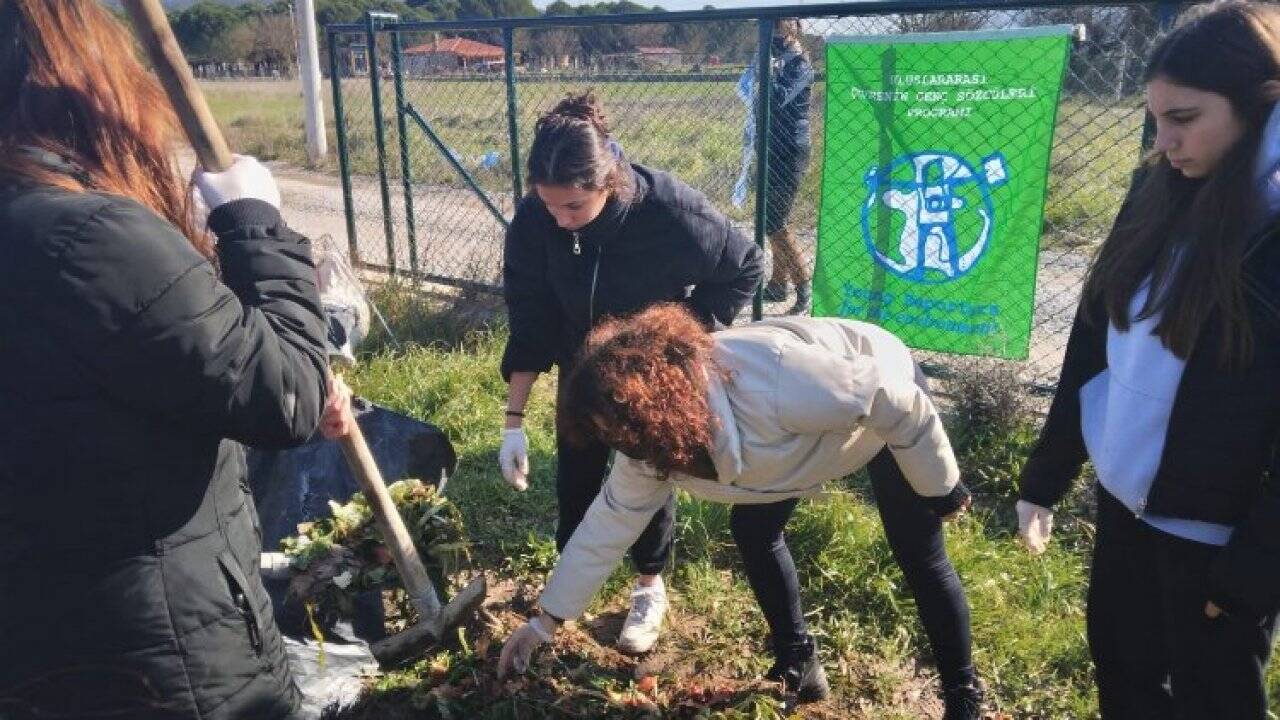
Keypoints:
pixel 788 159
pixel 759 417
pixel 136 358
pixel 601 236
pixel 1170 387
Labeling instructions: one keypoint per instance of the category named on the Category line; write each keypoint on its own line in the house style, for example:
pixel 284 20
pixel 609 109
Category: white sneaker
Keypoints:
pixel 640 631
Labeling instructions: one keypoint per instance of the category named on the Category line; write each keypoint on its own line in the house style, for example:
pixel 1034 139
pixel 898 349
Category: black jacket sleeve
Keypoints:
pixel 735 266
pixel 1244 578
pixel 242 357
pixel 534 320
pixel 1060 452
pixel 789 81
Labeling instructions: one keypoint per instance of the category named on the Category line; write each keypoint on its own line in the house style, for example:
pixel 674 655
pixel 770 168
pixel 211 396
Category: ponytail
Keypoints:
pixel 572 147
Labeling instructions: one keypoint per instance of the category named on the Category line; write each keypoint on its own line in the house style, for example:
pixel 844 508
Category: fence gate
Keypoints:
pixel 433 118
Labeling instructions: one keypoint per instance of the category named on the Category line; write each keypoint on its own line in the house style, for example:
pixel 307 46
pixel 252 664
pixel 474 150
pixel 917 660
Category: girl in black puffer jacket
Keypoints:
pixel 600 236
pixel 132 371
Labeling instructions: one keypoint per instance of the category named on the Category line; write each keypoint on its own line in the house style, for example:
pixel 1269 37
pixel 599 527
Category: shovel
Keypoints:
pixel 435 620
pixel 153 31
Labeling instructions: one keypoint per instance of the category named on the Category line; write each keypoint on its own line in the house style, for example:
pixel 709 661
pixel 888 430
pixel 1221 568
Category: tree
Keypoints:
pixel 941 21
pixel 557 44
pixel 236 44
pixel 274 41
pixel 560 7
pixel 198 27
pixel 1109 62
pixel 439 9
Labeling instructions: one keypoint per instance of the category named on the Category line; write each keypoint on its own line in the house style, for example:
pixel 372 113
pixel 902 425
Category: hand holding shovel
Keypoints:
pixel 154 33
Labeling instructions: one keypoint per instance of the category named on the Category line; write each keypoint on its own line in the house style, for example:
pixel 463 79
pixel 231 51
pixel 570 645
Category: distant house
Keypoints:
pixel 650 55
pixel 451 54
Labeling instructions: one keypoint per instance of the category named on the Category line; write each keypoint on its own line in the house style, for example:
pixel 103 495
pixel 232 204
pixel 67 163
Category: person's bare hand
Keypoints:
pixel 337 420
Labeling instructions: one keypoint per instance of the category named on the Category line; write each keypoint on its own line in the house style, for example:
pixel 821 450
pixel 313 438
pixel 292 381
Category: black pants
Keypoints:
pixel 1155 652
pixel 580 472
pixel 915 537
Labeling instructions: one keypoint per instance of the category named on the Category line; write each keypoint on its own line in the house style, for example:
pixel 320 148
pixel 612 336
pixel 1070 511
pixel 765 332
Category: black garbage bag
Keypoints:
pixel 295 486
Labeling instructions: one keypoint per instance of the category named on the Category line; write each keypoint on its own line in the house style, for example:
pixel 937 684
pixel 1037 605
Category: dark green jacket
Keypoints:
pixel 130 373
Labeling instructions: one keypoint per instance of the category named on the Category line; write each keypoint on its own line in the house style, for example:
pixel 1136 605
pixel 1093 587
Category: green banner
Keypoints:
pixel 936 160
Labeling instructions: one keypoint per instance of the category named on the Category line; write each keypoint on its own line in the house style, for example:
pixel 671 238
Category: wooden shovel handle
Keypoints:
pixel 153 31
pixel 396 536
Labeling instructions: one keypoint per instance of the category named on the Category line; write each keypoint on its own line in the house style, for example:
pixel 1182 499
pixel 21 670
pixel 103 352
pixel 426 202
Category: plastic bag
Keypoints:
pixel 346 308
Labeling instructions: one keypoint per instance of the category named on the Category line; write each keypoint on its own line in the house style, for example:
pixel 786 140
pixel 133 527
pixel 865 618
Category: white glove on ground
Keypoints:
pixel 518 648
pixel 246 178
pixel 1035 523
pixel 514 458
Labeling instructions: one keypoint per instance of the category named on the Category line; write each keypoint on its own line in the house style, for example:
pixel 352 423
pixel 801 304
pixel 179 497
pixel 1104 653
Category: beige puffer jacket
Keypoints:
pixel 808 400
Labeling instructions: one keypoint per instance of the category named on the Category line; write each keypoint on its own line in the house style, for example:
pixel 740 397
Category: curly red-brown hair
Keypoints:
pixel 640 386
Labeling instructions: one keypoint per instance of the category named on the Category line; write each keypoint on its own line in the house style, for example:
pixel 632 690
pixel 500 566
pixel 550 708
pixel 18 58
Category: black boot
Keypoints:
pixel 800 671
pixel 804 299
pixel 963 702
pixel 775 291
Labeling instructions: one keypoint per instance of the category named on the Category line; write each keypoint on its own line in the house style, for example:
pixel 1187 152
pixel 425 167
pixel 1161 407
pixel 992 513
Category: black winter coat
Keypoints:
pixel 791 90
pixel 667 244
pixel 131 373
pixel 1219 462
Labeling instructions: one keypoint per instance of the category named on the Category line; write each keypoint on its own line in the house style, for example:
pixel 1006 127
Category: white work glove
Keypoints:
pixel 518 648
pixel 1035 523
pixel 514 458
pixel 246 178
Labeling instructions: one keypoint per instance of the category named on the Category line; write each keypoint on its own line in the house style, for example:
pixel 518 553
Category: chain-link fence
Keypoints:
pixel 433 139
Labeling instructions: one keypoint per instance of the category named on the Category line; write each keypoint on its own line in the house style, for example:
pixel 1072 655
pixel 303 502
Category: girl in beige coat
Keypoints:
pixel 759 417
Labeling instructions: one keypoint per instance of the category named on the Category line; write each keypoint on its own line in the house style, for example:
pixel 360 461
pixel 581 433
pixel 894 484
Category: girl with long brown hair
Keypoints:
pixel 759 417
pixel 132 370
pixel 1171 387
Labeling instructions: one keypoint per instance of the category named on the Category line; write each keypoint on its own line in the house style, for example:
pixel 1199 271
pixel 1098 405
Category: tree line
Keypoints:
pixel 264 32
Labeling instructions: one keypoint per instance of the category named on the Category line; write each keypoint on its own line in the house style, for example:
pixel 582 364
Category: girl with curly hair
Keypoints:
pixel 759 417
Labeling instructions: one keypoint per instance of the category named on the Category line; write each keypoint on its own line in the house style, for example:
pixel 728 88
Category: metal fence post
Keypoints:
pixel 406 170
pixel 764 85
pixel 372 20
pixel 508 43
pixel 344 161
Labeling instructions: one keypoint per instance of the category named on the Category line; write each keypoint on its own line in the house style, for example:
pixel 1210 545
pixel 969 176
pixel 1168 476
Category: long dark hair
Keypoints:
pixel 572 147
pixel 71 84
pixel 1192 235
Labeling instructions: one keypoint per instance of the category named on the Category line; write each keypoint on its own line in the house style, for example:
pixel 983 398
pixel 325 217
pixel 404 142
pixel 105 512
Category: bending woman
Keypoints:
pixel 759 417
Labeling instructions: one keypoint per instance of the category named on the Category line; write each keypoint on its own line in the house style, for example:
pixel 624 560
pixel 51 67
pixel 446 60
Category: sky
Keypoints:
pixel 689 4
